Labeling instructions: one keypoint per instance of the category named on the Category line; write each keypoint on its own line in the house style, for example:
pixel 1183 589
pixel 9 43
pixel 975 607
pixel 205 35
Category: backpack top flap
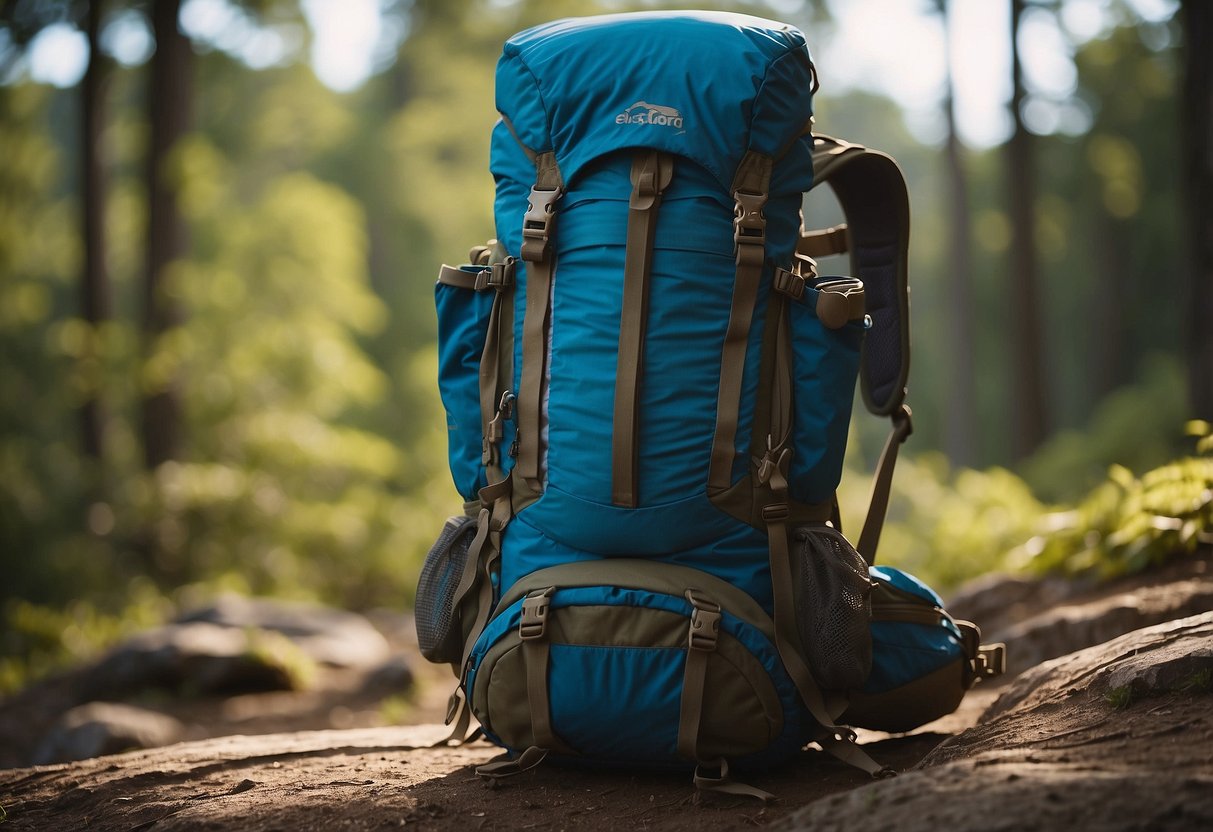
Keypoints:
pixel 705 85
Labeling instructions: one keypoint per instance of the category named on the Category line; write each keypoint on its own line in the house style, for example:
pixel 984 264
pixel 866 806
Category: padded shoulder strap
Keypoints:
pixel 872 191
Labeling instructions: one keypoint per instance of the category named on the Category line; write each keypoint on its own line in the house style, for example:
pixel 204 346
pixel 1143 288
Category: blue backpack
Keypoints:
pixel 648 390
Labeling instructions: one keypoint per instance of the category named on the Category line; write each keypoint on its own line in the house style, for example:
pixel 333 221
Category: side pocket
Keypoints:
pixel 463 324
pixel 833 608
pixel 440 620
pixel 920 668
pixel 825 368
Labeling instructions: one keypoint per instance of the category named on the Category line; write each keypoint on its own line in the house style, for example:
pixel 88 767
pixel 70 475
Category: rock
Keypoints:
pixel 996 601
pixel 1056 751
pixel 330 636
pixel 1158 659
pixel 100 728
pixel 393 676
pixel 1082 623
pixel 194 658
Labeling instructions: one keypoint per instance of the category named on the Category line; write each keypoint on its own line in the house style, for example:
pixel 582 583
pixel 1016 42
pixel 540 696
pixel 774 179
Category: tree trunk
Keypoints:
pixel 1026 347
pixel 961 419
pixel 1197 115
pixel 94 279
pixel 168 112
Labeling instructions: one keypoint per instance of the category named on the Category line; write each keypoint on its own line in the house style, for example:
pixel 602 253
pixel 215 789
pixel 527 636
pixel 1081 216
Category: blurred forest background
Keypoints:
pixel 218 366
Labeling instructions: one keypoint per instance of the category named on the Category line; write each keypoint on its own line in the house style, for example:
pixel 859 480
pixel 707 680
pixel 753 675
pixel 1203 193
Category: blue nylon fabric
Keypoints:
pixel 728 549
pixel 601 696
pixel 903 652
pixel 567 85
pixel 463 319
pixel 621 702
pixel 906 582
pixel 825 368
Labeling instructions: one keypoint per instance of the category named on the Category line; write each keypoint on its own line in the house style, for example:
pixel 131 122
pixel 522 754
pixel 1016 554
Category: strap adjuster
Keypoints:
pixel 705 622
pixel 499 276
pixel 991 660
pixel 534 620
pixel 538 224
pixel 775 513
pixel 749 228
pixel 788 283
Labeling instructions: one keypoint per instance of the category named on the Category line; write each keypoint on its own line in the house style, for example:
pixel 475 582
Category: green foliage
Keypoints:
pixel 946 526
pixel 1120 698
pixel 1130 523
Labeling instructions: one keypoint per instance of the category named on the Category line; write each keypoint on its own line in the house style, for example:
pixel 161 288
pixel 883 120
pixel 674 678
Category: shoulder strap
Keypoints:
pixel 872 191
pixel 873 195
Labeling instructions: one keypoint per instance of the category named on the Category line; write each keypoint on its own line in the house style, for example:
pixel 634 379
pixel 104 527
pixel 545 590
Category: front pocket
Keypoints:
pixel 616 665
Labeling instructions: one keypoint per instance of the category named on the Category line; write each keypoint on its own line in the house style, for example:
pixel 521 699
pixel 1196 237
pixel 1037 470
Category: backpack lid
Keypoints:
pixel 705 85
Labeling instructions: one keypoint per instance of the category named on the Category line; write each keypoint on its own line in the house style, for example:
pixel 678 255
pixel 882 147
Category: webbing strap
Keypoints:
pixel 720 782
pixel 750 190
pixel 651 175
pixel 882 484
pixel 496 365
pixel 501 768
pixel 539 227
pixel 851 754
pixel 482 556
pixel 535 653
pixel 702 637
pixel 453 276
pixel 776 515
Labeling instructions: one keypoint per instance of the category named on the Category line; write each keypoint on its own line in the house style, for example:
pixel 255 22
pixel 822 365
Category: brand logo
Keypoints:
pixel 644 113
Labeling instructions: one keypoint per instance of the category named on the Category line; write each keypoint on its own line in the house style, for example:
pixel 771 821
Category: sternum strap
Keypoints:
pixel 651 174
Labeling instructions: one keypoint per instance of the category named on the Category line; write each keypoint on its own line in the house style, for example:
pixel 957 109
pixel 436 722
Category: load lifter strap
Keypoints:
pixel 651 175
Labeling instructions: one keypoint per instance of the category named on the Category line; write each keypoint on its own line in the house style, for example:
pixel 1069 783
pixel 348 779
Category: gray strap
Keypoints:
pixel 882 485
pixel 750 189
pixel 651 175
pixel 539 227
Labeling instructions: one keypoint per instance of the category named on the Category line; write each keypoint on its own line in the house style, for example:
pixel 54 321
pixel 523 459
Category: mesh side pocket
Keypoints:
pixel 833 607
pixel 439 630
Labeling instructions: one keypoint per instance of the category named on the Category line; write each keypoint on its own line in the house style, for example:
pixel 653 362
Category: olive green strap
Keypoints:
pixel 532 629
pixel 501 768
pixel 453 276
pixel 702 637
pixel 496 403
pixel 882 485
pixel 750 190
pixel 538 230
pixel 651 174
pixel 846 750
pixel 483 553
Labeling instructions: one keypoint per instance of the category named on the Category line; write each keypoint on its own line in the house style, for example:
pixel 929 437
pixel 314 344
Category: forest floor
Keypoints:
pixel 1058 749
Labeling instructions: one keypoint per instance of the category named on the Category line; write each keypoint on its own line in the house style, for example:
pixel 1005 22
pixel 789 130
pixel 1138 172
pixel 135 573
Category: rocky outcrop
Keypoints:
pixel 1113 737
